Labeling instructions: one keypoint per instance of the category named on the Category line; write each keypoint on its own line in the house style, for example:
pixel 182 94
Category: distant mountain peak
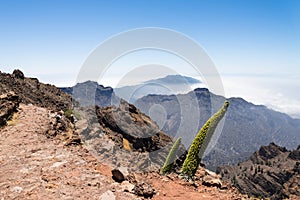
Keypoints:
pixel 91 93
pixel 168 85
pixel 93 84
pixel 175 79
pixel 201 90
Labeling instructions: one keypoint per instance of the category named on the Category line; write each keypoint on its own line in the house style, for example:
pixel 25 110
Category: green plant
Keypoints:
pixel 168 165
pixel 70 112
pixel 198 146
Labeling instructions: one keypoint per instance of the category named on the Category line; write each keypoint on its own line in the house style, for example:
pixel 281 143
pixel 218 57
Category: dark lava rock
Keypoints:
pixel 295 155
pixel 31 91
pixel 9 103
pixel 272 172
pixel 120 174
pixel 18 74
pixel 268 152
pixel 211 179
pixel 144 189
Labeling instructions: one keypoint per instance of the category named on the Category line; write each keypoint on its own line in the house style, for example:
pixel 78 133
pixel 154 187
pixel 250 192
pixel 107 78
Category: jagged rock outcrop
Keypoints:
pixel 123 136
pixel 31 91
pixel 271 172
pixel 127 123
pixel 9 103
pixel 295 155
pixel 18 74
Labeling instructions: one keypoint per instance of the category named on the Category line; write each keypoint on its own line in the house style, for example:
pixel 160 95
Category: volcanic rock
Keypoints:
pixel 9 103
pixel 144 189
pixel 31 91
pixel 18 74
pixel 120 174
pixel 272 172
pixel 123 136
pixel 211 179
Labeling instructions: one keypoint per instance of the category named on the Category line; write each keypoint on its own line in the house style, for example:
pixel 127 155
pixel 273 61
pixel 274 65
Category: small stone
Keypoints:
pixel 120 174
pixel 58 164
pixel 126 186
pixel 17 189
pixel 212 182
pixel 108 195
pixel 212 174
pixel 144 189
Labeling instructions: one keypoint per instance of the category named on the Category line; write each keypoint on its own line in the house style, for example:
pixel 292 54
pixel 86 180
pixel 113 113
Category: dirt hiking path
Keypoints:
pixel 33 166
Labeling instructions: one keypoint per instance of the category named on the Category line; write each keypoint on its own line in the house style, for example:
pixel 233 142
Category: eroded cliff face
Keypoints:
pixel 124 136
pixel 126 122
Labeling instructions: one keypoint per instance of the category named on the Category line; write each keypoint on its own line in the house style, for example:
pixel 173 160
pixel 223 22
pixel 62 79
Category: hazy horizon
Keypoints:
pixel 266 89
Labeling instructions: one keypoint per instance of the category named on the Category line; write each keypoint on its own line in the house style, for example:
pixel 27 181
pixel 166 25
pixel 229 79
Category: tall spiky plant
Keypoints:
pixel 198 146
pixel 168 165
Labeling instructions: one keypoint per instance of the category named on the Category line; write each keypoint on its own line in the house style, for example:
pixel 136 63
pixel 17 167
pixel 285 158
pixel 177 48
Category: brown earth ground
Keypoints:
pixel 33 166
pixel 171 187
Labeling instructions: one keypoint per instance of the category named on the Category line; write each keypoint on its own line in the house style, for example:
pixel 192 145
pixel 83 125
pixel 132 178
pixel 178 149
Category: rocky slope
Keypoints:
pixel 31 91
pixel 273 171
pixel 124 136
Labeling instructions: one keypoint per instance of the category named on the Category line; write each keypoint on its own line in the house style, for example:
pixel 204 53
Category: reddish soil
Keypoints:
pixel 172 187
pixel 33 166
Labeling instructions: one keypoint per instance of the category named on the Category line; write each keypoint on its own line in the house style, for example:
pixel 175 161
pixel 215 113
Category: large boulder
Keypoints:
pixel 18 74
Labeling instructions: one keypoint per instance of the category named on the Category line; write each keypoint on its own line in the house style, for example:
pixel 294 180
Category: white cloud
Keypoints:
pixel 277 93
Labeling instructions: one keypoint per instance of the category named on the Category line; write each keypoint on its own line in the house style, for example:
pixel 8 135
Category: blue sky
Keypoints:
pixel 51 39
